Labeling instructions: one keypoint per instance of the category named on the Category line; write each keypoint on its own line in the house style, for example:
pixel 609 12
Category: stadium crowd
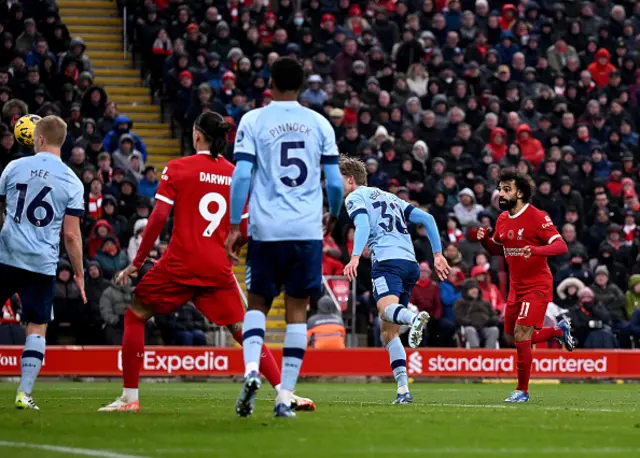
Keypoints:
pixel 434 96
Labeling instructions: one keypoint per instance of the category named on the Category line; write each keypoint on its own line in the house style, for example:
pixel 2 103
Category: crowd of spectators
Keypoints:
pixel 435 96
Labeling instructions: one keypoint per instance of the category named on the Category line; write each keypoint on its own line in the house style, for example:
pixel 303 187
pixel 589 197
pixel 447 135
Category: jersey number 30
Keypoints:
pixel 44 216
pixel 214 218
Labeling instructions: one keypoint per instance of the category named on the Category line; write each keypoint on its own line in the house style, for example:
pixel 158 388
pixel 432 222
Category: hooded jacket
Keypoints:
pixel 531 148
pixel 633 298
pixel 95 241
pixel 497 151
pixel 114 302
pixel 467 215
pixel 600 73
pixel 112 140
pixel 111 263
pixel 612 298
pixel 84 61
pixel 95 288
pixel 473 312
pixel 505 22
pixel 66 300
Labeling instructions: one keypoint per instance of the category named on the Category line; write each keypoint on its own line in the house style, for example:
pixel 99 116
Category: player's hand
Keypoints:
pixel 233 244
pixel 327 222
pixel 79 281
pixel 442 266
pixel 123 277
pixel 527 252
pixel 483 232
pixel 351 269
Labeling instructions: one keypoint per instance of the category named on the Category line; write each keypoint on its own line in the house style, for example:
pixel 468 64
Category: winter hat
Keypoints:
pixel 602 270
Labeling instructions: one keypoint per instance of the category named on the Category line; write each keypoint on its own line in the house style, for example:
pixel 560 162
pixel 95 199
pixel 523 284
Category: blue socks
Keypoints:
pixel 295 345
pixel 31 361
pixel 253 328
pixel 398 314
pixel 398 358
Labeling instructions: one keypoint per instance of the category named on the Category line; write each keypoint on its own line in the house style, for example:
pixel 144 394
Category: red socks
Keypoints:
pixel 545 334
pixel 525 358
pixel 132 348
pixel 268 366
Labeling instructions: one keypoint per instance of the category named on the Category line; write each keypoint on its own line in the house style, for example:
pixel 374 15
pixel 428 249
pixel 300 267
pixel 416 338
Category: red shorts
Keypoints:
pixel 527 311
pixel 222 306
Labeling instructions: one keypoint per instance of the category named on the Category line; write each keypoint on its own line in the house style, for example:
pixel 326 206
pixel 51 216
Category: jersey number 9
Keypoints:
pixel 214 218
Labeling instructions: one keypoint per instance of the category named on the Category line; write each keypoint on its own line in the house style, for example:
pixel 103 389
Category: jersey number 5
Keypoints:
pixel 38 202
pixel 214 218
pixel 286 161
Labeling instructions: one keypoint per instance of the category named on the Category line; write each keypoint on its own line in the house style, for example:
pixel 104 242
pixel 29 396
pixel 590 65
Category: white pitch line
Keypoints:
pixel 68 450
pixel 491 406
pixel 496 451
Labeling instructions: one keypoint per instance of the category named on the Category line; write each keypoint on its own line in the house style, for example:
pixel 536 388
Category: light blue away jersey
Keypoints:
pixel 287 143
pixel 388 215
pixel 38 191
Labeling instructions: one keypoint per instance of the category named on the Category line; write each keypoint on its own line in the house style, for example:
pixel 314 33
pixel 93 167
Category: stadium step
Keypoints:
pixel 80 30
pixel 77 11
pixel 96 19
pixel 107 80
pixel 123 90
pixel 136 107
pixel 85 4
pixel 133 99
pixel 99 23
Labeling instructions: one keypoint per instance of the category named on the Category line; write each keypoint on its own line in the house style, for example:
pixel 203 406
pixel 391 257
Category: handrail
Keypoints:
pixel 325 283
pixel 325 279
pixel 124 32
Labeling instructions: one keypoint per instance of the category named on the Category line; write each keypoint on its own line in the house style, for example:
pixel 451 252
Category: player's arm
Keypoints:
pixel 493 244
pixel 556 246
pixel 494 248
pixel 417 216
pixel 357 211
pixel 165 198
pixel 552 242
pixel 329 159
pixel 72 234
pixel 3 192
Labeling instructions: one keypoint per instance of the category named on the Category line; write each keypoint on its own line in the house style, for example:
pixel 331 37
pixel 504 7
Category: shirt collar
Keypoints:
pixel 519 213
pixel 50 154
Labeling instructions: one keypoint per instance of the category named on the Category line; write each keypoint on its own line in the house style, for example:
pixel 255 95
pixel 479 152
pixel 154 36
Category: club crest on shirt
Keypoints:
pixel 520 231
pixel 510 235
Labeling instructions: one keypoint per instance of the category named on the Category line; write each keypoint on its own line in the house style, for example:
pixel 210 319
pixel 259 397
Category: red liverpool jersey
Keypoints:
pixel 198 187
pixel 529 227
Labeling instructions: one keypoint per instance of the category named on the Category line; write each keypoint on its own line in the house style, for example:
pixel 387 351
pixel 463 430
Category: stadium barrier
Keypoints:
pixel 431 362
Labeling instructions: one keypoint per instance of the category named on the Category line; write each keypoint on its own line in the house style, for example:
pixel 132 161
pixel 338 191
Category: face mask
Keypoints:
pixel 298 21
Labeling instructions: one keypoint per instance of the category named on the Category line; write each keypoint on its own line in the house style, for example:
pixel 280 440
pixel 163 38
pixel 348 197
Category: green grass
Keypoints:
pixel 352 420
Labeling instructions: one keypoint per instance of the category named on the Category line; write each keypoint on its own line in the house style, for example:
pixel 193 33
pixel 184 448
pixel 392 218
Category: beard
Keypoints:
pixel 506 204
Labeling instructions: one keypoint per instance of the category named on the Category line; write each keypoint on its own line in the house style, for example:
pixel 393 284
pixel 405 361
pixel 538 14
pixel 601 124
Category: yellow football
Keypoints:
pixel 23 130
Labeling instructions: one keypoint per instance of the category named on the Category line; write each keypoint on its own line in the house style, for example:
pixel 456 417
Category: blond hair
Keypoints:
pixel 53 129
pixel 351 167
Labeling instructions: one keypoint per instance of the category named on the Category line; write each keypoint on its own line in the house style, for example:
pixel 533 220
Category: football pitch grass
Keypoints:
pixel 352 420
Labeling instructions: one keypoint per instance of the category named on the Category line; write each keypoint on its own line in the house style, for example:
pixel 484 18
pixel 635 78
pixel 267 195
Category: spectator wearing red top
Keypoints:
pixel 268 29
pixel 601 68
pixel 508 17
pixel 490 292
pixel 497 144
pixel 426 297
pixel 530 147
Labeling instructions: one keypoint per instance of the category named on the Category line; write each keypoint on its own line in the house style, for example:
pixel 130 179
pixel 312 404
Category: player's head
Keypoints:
pixel 513 188
pixel 354 174
pixel 49 135
pixel 210 133
pixel 287 76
